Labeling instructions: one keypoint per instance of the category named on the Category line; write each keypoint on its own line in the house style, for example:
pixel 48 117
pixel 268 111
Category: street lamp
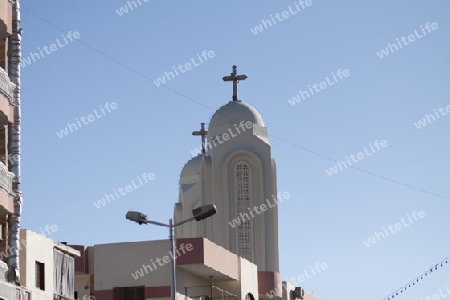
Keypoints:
pixel 199 214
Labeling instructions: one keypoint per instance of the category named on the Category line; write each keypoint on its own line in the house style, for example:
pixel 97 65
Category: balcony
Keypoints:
pixel 6 179
pixel 10 290
pixel 6 86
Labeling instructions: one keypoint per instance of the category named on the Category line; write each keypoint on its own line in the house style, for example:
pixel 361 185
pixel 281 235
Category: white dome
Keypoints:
pixel 234 112
pixel 192 166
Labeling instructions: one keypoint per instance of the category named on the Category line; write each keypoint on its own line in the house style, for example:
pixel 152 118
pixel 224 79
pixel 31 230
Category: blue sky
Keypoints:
pixel 116 58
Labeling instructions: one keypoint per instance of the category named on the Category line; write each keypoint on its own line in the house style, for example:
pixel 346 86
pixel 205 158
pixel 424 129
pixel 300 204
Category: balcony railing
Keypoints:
pixel 6 179
pixel 23 293
pixel 208 292
pixel 6 86
pixel 3 271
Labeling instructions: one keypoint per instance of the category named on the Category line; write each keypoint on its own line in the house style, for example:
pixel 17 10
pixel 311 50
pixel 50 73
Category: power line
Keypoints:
pixel 232 117
pixel 416 280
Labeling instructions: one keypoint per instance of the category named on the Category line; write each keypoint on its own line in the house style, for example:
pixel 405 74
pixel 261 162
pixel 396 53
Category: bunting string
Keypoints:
pixel 414 282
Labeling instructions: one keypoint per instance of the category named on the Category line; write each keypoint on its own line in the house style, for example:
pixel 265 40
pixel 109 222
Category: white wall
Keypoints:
pixel 248 281
pixel 38 248
pixel 249 278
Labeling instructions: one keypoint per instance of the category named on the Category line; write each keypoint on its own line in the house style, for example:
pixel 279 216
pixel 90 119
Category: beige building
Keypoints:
pixel 144 269
pixel 47 270
pixel 226 256
pixel 47 267
pixel 10 194
pixel 32 267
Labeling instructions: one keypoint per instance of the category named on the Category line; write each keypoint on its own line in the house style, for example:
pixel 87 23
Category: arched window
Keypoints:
pixel 243 196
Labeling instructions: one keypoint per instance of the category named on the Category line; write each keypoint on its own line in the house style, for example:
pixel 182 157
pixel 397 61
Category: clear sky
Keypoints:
pixel 115 58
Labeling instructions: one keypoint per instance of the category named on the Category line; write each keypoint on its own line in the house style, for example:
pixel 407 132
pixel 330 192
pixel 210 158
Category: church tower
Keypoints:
pixel 236 172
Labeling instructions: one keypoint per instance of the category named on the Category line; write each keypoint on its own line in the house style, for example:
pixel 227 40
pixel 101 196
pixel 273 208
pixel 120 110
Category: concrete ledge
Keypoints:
pixel 208 259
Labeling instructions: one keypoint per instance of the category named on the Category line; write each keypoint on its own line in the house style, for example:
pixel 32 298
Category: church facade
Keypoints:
pixel 236 172
pixel 228 255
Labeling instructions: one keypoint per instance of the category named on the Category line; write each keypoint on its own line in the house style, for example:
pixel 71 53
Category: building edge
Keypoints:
pixel 14 56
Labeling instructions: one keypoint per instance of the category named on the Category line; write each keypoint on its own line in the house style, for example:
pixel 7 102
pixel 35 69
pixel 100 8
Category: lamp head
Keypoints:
pixel 298 293
pixel 204 212
pixel 137 217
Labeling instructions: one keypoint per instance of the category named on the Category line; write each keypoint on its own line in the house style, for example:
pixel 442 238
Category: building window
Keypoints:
pixel 243 202
pixel 40 275
pixel 63 275
pixel 129 293
pixel 76 295
pixel 4 54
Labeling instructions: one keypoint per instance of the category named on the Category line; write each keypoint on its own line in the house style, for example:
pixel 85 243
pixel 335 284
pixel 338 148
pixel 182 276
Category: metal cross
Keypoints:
pixel 235 78
pixel 202 133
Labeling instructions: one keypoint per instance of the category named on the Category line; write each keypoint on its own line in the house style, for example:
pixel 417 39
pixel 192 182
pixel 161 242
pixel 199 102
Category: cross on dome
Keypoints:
pixel 201 133
pixel 235 78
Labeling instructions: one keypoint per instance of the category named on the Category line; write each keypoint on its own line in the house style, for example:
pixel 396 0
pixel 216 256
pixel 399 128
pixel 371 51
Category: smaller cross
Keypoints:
pixel 235 78
pixel 202 133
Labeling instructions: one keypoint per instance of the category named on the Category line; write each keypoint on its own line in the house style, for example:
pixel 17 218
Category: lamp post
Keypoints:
pixel 199 214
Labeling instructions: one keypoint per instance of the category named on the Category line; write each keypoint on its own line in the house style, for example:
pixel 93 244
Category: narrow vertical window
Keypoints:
pixel 3 54
pixel 243 203
pixel 4 145
pixel 40 275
